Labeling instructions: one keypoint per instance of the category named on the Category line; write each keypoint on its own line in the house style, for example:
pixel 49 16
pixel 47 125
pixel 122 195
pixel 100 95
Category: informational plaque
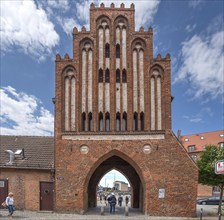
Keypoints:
pixel 161 193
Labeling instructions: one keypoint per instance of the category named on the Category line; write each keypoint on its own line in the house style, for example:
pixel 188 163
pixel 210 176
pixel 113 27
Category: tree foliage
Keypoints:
pixel 206 165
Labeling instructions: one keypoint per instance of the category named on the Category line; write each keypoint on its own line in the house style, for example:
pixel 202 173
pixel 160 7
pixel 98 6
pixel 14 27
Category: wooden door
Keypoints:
pixel 3 190
pixel 46 196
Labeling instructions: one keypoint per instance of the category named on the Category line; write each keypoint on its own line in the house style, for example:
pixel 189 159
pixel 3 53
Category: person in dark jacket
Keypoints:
pixel 112 201
pixel 120 200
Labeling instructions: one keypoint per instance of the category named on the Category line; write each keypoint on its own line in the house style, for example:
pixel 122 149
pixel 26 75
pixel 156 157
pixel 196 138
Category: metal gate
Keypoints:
pixel 3 190
pixel 46 196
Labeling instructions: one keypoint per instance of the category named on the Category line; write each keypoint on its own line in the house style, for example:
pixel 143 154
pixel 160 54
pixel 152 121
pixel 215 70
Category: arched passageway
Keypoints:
pixel 116 162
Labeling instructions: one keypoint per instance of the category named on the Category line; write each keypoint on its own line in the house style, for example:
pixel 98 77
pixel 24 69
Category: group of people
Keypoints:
pixel 9 204
pixel 112 201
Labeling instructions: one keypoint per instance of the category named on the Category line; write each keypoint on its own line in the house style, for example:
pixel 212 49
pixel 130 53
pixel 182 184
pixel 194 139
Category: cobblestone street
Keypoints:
pixel 95 214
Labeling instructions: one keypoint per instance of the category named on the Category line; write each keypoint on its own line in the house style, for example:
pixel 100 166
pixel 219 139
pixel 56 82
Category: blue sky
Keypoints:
pixel 34 31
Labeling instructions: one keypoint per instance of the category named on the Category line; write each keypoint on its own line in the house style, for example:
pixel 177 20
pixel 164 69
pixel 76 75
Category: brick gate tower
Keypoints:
pixel 113 111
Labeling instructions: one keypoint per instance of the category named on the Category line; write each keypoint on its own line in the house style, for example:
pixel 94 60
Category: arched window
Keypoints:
pixel 90 121
pixel 107 76
pixel 124 76
pixel 135 121
pixel 117 76
pixel 107 121
pixel 100 75
pixel 118 51
pixel 100 121
pixel 107 50
pixel 125 121
pixel 142 121
pixel 83 121
pixel 118 120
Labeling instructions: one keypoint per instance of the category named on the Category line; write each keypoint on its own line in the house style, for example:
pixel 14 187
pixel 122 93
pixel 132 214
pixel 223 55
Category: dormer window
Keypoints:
pixel 191 148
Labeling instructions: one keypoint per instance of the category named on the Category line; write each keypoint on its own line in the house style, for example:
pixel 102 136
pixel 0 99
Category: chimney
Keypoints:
pixel 11 157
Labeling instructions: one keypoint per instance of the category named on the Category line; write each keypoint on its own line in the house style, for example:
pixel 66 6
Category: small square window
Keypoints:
pixel 221 145
pixel 191 148
pixel 186 139
pixel 194 157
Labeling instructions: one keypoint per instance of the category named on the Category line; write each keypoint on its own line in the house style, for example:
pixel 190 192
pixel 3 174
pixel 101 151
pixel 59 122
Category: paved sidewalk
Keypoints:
pixel 92 214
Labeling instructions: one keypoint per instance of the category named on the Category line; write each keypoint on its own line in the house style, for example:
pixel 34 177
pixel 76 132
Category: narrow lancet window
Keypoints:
pixel 107 121
pixel 142 121
pixel 83 121
pixel 107 51
pixel 100 121
pixel 118 51
pixel 124 76
pixel 107 76
pixel 117 76
pixel 100 75
pixel 90 121
pixel 125 121
pixel 118 121
pixel 135 121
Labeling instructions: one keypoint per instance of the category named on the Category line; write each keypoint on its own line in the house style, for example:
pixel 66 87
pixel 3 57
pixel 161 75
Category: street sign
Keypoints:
pixel 219 167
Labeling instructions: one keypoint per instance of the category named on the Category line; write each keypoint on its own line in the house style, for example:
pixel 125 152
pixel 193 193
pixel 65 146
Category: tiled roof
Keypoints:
pixel 202 139
pixel 38 152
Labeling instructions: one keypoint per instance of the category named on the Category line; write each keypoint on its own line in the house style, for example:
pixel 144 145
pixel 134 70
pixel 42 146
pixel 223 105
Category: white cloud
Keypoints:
pixel 194 3
pixel 58 4
pixel 68 24
pixel 190 28
pixel 202 65
pixel 108 178
pixel 27 28
pixel 22 114
pixel 144 10
pixel 198 118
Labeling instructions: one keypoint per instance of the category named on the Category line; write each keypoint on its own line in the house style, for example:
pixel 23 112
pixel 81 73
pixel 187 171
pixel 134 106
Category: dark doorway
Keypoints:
pixel 116 162
pixel 3 190
pixel 46 196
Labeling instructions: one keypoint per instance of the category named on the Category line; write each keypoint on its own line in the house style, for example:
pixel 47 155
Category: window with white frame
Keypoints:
pixel 191 148
pixel 194 157
pixel 221 145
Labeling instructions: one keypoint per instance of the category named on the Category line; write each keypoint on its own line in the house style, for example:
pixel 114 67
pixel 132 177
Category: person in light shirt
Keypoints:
pixel 9 202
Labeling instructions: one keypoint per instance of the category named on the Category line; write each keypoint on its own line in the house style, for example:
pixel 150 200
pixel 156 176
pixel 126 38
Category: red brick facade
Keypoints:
pixel 195 144
pixel 128 130
pixel 25 184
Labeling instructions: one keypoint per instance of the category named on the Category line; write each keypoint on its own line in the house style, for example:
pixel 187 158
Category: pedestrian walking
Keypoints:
pixel 112 201
pixel 126 200
pixel 9 202
pixel 120 200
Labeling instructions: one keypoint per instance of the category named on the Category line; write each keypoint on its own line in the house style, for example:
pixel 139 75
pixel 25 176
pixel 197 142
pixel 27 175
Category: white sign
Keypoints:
pixel 161 193
pixel 219 167
pixel 2 184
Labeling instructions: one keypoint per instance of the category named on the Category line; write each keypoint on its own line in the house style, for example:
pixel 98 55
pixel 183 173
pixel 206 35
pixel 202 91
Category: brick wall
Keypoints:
pixel 167 166
pixel 204 191
pixel 25 185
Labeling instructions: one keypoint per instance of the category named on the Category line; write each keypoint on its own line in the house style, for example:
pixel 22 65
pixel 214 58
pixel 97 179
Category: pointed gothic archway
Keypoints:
pixel 118 161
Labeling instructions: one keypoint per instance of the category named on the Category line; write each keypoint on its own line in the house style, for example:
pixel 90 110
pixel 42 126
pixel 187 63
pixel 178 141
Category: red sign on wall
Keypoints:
pixel 219 167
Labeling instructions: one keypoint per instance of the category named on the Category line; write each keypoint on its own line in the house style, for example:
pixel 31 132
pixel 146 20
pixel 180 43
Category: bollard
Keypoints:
pixel 220 216
pixel 201 212
pixel 102 210
pixel 126 210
